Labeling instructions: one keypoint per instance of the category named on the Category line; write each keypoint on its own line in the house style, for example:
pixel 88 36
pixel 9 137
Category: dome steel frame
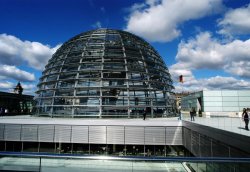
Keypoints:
pixel 105 73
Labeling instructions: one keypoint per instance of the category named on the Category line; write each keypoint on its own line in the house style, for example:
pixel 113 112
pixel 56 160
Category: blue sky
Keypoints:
pixel 206 41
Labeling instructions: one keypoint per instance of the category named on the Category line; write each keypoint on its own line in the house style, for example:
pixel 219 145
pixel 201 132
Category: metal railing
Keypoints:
pixel 56 162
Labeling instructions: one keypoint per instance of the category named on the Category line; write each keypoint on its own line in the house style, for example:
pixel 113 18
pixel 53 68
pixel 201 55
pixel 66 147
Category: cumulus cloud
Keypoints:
pixel 236 21
pixel 12 72
pixel 9 87
pixel 213 83
pixel 159 20
pixel 6 85
pixel 14 51
pixel 205 52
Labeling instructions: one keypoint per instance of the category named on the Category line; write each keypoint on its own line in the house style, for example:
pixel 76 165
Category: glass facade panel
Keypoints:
pixel 231 109
pixel 243 93
pixel 229 93
pixel 63 101
pixel 244 104
pixel 230 99
pixel 230 103
pixel 212 109
pixel 244 99
pixel 212 93
pixel 212 99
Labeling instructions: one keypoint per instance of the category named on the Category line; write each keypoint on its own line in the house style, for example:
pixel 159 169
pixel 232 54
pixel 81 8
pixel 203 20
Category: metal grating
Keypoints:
pixel 1 131
pixel 62 134
pixel 155 135
pixel 173 135
pixel 46 133
pixel 97 134
pixel 29 133
pixel 12 132
pixel 195 143
pixel 134 135
pixel 80 134
pixel 115 135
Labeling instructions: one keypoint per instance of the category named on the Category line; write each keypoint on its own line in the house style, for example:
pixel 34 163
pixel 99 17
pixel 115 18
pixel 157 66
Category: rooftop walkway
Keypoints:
pixel 235 125
pixel 80 121
pixel 231 124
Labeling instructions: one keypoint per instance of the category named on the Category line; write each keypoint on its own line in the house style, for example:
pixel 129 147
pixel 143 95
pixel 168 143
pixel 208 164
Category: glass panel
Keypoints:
pixel 30 147
pixel 217 104
pixel 66 84
pixel 212 99
pixel 45 110
pixel 83 92
pixel 49 86
pixel 114 66
pixel 230 99
pixel 244 104
pixel 67 76
pixel 65 92
pixel 245 98
pixel 47 147
pixel 116 150
pixel 229 93
pixel 52 78
pixel 211 93
pixel 87 101
pixel 89 75
pixel 80 148
pixel 88 66
pixel 62 110
pixel 63 101
pixel 47 93
pixel 88 83
pixel 230 103
pixel 231 109
pixel 213 109
pixel 135 150
pixel 243 93
pixel 45 102
pixel 86 111
pixel 69 68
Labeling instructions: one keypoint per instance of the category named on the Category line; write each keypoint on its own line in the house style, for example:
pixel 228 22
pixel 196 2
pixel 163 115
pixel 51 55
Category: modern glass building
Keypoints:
pixel 218 102
pixel 105 73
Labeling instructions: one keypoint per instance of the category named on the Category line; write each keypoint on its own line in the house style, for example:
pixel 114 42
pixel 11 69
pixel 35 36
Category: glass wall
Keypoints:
pixel 72 163
pixel 96 149
pixel 114 71
pixel 218 101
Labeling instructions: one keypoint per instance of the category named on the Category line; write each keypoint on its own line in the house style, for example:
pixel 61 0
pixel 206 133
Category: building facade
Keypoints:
pixel 105 73
pixel 15 104
pixel 218 103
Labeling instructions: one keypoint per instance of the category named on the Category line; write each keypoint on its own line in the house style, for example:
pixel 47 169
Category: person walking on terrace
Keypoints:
pixel 245 117
pixel 192 113
pixel 144 114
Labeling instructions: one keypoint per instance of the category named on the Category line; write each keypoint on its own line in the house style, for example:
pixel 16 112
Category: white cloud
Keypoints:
pixel 12 72
pixel 97 24
pixel 213 83
pixel 205 52
pixel 6 85
pixel 236 21
pixel 14 51
pixel 9 87
pixel 158 20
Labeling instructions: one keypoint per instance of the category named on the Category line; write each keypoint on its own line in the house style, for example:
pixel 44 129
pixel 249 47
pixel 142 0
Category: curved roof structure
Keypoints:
pixel 105 73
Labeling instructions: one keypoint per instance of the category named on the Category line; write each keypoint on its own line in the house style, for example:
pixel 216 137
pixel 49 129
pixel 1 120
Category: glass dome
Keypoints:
pixel 105 73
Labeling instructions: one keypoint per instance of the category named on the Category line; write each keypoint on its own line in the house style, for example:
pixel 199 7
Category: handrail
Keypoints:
pixel 128 158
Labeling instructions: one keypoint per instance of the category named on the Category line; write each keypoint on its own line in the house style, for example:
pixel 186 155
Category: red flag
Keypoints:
pixel 181 78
